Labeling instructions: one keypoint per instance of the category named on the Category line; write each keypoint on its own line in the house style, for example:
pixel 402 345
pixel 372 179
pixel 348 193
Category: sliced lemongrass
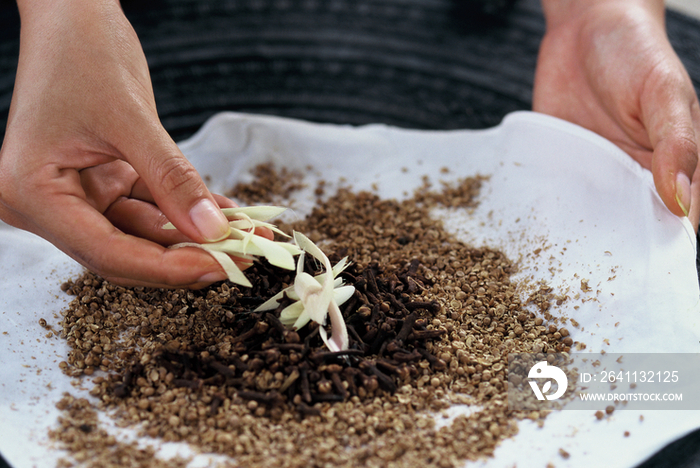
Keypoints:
pixel 235 275
pixel 339 267
pixel 246 236
pixel 279 254
pixel 337 282
pixel 274 301
pixel 245 226
pixel 252 213
pixel 312 310
pixel 259 212
pixel 290 315
pixel 319 303
pixel 316 297
pixel 339 340
pixel 245 243
pixel 341 292
pixel 306 245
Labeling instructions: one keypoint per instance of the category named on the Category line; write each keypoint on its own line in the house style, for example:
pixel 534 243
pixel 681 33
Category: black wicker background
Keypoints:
pixel 430 64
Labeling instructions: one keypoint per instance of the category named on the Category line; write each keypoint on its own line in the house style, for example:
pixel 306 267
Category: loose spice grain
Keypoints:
pixel 269 185
pixel 79 433
pixel 433 322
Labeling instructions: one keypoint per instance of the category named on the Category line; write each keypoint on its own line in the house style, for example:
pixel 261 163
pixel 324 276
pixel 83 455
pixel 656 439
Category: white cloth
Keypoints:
pixel 592 211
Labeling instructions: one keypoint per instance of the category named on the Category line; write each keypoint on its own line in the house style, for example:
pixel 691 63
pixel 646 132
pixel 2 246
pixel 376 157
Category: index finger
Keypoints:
pixel 126 259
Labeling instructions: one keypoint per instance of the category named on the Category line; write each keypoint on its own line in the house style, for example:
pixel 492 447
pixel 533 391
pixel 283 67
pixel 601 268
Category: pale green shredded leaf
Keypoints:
pixel 254 215
pixel 343 293
pixel 274 252
pixel 262 212
pixel 291 313
pixel 235 275
pixel 339 340
pixel 245 225
pixel 318 297
pixel 244 244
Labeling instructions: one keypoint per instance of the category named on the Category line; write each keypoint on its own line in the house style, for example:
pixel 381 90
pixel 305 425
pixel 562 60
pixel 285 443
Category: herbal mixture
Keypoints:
pixel 430 323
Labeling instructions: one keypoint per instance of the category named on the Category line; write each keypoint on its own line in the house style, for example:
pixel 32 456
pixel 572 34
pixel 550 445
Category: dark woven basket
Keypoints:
pixel 406 63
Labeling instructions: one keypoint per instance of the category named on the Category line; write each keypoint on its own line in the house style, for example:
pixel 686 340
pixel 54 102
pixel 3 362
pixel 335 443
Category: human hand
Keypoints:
pixel 86 163
pixel 608 66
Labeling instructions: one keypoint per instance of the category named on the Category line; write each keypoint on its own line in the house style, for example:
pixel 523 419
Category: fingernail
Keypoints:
pixel 212 277
pixel 683 192
pixel 209 220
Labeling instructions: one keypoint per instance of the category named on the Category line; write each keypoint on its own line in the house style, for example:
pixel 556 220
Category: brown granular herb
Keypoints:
pixel 78 432
pixel 270 185
pixel 431 323
pixel 462 194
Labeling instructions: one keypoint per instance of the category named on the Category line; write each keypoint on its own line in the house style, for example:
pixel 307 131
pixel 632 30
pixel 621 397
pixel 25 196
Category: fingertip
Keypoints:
pixel 674 158
pixel 211 277
pixel 682 193
pixel 209 221
pixel 154 266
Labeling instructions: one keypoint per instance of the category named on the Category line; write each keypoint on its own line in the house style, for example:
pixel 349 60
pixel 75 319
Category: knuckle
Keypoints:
pixel 8 197
pixel 176 174
pixel 95 257
pixel 11 192
pixel 684 145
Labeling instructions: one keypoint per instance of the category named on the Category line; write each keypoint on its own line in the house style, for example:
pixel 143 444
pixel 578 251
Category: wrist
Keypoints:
pixel 37 11
pixel 557 12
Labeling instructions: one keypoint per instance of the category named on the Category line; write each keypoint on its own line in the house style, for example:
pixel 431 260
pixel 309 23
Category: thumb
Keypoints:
pixel 673 132
pixel 177 188
pixel 673 165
